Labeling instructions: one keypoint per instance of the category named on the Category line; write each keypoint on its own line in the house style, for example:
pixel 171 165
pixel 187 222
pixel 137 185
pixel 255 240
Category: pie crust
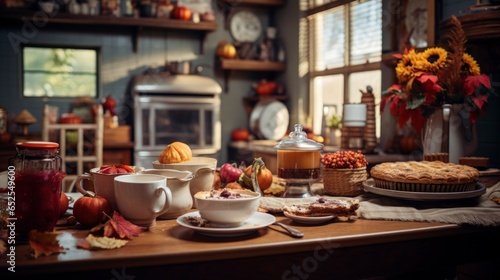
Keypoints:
pixel 432 176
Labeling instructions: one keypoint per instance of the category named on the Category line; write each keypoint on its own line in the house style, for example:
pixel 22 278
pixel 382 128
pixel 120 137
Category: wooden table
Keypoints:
pixel 342 250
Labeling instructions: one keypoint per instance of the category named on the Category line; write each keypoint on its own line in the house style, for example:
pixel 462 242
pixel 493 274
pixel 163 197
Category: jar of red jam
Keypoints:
pixel 38 179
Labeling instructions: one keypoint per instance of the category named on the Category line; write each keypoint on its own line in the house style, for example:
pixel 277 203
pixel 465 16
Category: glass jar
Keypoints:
pixel 299 163
pixel 38 179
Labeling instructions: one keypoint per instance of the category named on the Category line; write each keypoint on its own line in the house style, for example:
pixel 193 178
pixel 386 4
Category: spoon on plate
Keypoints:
pixel 293 232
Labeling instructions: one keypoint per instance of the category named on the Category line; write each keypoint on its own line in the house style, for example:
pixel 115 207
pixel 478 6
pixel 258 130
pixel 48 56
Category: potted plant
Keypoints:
pixel 334 123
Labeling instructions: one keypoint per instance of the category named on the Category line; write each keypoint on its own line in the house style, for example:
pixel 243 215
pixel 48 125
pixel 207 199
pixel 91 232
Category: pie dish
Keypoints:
pixel 424 176
pixel 478 190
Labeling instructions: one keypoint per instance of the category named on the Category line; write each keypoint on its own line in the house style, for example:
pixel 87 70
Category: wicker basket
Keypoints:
pixel 344 182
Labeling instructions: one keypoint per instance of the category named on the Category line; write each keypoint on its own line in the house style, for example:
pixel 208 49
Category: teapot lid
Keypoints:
pixel 298 141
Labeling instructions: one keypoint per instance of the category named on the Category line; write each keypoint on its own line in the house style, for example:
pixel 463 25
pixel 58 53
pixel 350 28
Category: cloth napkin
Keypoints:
pixel 481 211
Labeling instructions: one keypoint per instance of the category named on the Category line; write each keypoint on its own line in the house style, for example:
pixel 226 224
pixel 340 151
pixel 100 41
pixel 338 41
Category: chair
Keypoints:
pixel 79 158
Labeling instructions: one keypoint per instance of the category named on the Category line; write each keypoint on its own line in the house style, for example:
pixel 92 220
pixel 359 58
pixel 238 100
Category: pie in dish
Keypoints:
pixel 324 207
pixel 429 176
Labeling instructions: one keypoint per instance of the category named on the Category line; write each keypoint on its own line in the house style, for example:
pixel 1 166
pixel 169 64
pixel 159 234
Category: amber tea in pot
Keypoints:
pixel 299 163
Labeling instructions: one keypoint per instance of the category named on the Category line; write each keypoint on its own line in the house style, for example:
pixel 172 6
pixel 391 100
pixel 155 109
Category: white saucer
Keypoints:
pixel 307 219
pixel 257 221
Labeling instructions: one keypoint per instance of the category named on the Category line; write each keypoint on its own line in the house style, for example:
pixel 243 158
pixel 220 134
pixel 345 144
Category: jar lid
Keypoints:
pixel 38 145
pixel 298 141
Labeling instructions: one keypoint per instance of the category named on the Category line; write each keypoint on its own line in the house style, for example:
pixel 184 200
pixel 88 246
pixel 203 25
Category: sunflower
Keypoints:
pixel 406 66
pixel 432 60
pixel 470 66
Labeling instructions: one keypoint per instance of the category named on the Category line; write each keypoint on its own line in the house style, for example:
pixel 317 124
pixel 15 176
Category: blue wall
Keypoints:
pixel 120 64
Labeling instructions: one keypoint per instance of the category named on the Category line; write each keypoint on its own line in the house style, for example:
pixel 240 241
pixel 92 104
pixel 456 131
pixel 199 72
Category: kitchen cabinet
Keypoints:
pixel 30 18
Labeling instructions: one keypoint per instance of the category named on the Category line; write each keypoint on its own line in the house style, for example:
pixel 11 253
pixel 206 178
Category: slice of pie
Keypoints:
pixel 324 207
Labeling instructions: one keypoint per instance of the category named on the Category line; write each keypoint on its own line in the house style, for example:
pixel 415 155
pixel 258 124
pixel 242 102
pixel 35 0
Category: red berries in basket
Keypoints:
pixel 344 159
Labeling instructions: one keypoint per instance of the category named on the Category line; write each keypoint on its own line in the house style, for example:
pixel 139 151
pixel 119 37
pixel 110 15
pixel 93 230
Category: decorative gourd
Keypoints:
pixel 181 12
pixel 226 50
pixel 266 87
pixel 176 152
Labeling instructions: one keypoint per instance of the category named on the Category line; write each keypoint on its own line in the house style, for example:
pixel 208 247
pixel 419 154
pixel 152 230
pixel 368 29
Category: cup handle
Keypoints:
pixel 78 183
pixel 168 199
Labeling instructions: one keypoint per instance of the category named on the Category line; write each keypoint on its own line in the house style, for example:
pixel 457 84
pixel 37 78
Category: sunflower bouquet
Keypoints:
pixel 437 76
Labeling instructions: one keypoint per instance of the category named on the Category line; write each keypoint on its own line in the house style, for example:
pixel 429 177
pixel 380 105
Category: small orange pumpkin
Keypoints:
pixel 176 152
pixel 226 50
pixel 181 12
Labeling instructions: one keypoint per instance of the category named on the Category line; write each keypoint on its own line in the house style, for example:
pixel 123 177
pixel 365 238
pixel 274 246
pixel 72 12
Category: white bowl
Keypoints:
pixel 203 169
pixel 227 212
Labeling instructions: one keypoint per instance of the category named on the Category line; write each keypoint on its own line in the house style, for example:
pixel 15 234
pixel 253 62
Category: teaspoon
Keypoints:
pixel 293 232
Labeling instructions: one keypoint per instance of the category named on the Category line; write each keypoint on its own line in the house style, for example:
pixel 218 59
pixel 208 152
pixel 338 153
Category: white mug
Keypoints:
pixel 103 184
pixel 141 198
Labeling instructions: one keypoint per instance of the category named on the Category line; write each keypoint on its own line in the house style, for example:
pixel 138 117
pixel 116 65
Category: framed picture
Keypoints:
pixel 419 19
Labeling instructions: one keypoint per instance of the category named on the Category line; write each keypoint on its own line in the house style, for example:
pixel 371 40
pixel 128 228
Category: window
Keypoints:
pixel 345 54
pixel 60 72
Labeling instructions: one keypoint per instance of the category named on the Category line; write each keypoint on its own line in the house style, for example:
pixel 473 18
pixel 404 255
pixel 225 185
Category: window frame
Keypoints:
pixel 97 49
pixel 347 69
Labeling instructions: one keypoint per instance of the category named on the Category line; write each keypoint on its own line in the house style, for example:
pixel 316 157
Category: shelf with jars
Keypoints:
pixel 19 17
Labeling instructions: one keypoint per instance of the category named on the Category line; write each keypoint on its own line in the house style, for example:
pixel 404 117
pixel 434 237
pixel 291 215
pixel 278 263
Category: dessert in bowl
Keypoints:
pixel 226 208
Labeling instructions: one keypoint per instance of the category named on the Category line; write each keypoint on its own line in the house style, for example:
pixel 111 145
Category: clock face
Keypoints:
pixel 245 26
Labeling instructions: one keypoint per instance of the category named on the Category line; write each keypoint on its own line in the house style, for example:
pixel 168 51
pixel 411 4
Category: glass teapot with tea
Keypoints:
pixel 299 163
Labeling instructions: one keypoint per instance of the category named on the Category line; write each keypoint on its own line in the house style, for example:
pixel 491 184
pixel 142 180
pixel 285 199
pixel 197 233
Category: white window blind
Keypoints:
pixel 366 32
pixel 345 53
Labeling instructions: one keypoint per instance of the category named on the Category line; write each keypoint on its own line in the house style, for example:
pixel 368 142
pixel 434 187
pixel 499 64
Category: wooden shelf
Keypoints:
pixel 228 65
pixel 251 65
pixel 18 17
pixel 477 26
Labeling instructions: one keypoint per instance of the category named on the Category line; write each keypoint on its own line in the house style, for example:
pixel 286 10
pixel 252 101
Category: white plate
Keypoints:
pixel 257 221
pixel 424 196
pixel 308 220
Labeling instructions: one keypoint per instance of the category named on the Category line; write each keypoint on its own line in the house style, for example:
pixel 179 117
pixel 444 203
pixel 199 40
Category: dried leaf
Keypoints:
pixel 124 228
pixel 118 227
pixel 105 242
pixel 44 243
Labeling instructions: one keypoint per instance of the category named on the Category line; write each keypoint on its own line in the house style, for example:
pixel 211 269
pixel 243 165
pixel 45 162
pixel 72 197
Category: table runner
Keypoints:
pixel 480 211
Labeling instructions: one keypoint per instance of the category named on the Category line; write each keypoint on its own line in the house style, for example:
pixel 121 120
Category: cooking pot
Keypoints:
pixel 180 67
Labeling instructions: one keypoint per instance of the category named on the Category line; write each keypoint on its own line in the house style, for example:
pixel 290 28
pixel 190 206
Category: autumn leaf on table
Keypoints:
pixel 103 242
pixel 119 227
pixel 44 243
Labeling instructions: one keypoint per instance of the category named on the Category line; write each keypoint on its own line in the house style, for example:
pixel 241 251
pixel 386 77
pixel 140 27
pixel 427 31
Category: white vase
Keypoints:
pixel 462 136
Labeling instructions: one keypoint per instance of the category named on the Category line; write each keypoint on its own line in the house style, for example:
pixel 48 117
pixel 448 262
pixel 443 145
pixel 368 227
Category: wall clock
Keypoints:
pixel 245 26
